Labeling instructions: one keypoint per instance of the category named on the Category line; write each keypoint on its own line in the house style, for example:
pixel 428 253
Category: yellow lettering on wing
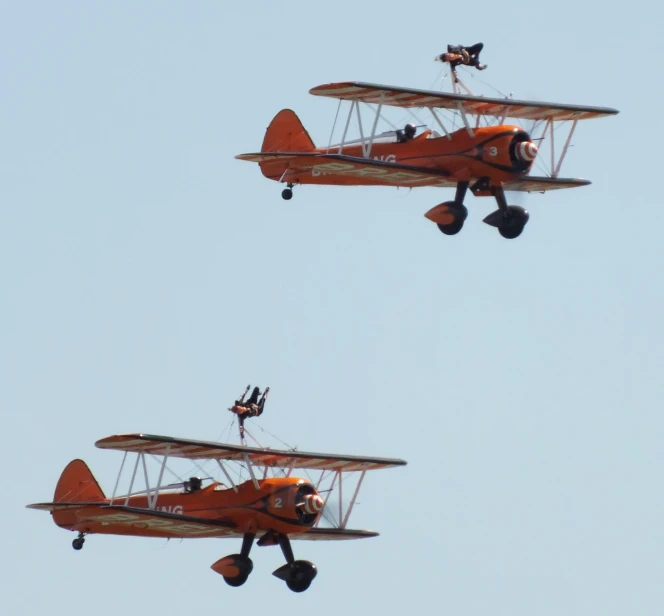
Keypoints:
pixel 389 175
pixel 173 526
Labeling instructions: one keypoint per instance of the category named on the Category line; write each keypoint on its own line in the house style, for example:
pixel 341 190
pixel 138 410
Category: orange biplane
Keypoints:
pixel 486 154
pixel 276 508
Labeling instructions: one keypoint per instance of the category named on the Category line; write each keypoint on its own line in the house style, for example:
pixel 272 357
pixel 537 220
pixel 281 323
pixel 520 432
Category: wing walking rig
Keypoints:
pixel 277 496
pixel 489 153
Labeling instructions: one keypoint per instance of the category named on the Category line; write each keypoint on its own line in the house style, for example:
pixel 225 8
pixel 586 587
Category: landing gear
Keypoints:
pixel 508 219
pixel 450 216
pixel 287 193
pixel 236 568
pixel 298 574
pixel 77 543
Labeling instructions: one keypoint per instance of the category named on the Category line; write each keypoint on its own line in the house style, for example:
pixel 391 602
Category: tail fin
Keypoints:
pixel 286 134
pixel 77 484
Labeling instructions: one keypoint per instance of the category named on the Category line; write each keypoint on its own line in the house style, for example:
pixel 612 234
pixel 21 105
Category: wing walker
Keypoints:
pixel 281 496
pixel 480 148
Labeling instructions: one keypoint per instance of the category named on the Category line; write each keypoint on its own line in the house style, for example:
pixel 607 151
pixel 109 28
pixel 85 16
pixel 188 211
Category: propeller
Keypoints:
pixel 310 504
pixel 527 151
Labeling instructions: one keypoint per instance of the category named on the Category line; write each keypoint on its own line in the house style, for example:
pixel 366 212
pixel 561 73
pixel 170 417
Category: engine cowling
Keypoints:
pixel 308 504
pixel 523 151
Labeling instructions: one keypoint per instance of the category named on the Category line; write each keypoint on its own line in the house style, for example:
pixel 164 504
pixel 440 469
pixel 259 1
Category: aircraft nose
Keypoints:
pixel 312 503
pixel 526 151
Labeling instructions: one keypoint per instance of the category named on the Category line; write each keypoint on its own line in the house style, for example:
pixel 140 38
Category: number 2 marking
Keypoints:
pixel 278 503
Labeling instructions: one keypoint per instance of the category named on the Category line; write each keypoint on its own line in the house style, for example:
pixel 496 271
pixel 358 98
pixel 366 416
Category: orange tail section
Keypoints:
pixel 77 485
pixel 286 134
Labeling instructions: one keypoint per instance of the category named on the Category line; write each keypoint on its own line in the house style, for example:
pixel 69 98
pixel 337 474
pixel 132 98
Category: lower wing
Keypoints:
pixel 542 184
pixel 333 534
pixel 365 170
pixel 118 519
pixel 384 173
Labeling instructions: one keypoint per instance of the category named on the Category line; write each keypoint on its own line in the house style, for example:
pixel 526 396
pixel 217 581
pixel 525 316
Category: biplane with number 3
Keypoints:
pixel 273 504
pixel 488 154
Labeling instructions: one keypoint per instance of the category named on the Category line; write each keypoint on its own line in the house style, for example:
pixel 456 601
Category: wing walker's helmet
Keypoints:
pixel 409 130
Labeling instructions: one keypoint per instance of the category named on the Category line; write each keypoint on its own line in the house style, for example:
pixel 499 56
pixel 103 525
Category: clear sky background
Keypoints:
pixel 147 276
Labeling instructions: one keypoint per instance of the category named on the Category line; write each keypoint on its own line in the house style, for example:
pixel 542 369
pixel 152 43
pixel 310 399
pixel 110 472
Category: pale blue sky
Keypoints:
pixel 147 276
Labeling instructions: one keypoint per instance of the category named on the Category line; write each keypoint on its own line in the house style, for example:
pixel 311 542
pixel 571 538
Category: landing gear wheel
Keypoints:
pixel 510 233
pixel 460 213
pixel 244 565
pixel 287 193
pixel 77 543
pixel 453 228
pixel 302 573
pixel 514 220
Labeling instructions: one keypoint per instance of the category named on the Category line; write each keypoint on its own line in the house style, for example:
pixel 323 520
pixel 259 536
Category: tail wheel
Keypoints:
pixel 287 194
pixel 77 544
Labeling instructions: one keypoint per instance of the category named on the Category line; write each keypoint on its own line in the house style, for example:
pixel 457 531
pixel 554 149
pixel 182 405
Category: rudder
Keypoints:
pixel 287 134
pixel 77 484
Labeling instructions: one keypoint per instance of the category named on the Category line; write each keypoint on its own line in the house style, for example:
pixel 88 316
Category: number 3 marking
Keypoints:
pixel 493 151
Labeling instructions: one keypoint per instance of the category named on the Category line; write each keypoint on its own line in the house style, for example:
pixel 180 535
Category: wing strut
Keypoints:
pixel 352 502
pixel 359 124
pixel 117 481
pixel 161 476
pixel 442 126
pixel 564 152
pixel 343 137
pixel 375 124
pixel 133 477
pixel 251 471
pixel 341 499
pixel 327 496
pixel 465 120
pixel 148 492
pixel 225 472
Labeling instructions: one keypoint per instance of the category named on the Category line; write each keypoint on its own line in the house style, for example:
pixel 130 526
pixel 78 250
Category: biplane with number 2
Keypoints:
pixel 274 505
pixel 489 154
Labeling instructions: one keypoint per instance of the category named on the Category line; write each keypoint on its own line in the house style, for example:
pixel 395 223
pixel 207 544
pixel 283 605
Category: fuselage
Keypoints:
pixel 285 505
pixel 499 153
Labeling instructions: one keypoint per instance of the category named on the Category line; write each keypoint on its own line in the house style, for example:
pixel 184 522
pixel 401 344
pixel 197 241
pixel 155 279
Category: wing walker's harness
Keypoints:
pixel 253 407
pixel 459 54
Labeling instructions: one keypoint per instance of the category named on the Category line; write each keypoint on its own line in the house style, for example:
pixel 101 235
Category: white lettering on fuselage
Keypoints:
pixel 386 158
pixel 176 509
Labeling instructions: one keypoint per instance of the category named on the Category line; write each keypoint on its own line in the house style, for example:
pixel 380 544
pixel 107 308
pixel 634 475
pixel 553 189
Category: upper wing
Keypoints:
pixel 197 450
pixel 474 105
pixel 377 171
